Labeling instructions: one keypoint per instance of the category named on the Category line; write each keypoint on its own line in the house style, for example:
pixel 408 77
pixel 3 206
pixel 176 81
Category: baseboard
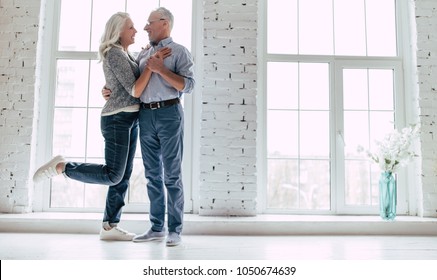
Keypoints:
pixel 90 223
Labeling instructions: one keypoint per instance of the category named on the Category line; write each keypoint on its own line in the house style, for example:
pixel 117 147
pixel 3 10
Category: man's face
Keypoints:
pixel 155 27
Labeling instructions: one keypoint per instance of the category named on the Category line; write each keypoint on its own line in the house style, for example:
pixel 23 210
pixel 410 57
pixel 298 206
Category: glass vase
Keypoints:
pixel 387 196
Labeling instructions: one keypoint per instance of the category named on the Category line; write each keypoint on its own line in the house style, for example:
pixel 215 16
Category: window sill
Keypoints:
pixel 89 223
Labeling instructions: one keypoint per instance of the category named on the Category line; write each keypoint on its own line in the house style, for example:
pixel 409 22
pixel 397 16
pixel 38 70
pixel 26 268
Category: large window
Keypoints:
pixel 76 92
pixel 333 82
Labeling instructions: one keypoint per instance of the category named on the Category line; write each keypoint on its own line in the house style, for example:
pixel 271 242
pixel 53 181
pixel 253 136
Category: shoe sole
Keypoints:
pixel 114 239
pixel 149 239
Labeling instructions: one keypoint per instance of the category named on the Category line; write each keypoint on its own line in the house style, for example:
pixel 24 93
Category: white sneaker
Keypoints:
pixel 48 170
pixel 117 234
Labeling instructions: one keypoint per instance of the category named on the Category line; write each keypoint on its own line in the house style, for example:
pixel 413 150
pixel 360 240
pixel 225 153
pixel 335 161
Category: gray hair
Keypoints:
pixel 111 35
pixel 166 14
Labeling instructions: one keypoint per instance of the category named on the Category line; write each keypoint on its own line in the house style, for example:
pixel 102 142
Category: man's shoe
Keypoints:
pixel 116 234
pixel 150 235
pixel 48 170
pixel 173 239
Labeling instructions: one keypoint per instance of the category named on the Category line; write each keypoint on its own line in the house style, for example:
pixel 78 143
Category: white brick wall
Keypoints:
pixel 228 127
pixel 18 40
pixel 228 171
pixel 426 25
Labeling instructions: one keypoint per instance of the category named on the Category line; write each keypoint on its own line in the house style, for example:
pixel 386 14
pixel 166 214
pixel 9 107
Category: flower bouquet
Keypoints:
pixel 394 151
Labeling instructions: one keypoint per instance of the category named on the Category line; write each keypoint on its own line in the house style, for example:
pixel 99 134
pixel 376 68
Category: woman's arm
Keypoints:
pixel 157 65
pixel 144 78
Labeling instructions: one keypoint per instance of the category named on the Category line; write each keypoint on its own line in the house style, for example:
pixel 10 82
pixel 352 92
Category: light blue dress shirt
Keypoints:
pixel 180 62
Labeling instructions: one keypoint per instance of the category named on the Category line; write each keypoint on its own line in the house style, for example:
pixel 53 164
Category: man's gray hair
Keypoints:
pixel 166 14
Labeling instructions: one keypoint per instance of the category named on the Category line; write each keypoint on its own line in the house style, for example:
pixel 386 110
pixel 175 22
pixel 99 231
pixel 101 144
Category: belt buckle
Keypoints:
pixel 158 105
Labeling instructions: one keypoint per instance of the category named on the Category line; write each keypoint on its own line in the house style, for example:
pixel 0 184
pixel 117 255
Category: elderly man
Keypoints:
pixel 161 123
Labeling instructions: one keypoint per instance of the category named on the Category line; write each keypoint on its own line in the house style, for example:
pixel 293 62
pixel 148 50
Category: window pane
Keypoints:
pixel 139 11
pixel 94 194
pixel 138 183
pixel 282 85
pixel 315 27
pixel 314 134
pixel 298 185
pixel 355 89
pixel 97 81
pixel 101 13
pixel 381 89
pixel 181 11
pixel 65 192
pixel 95 143
pixel 74 33
pixel 349 24
pixel 282 13
pixel 314 187
pixel 69 133
pixel 357 190
pixel 283 189
pixel 381 27
pixel 282 131
pixel 356 131
pixel 72 83
pixel 380 124
pixel 313 86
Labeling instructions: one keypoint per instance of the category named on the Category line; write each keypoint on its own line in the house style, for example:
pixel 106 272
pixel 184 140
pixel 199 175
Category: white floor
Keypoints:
pixel 55 246
pixel 74 236
pixel 44 246
pixel 347 247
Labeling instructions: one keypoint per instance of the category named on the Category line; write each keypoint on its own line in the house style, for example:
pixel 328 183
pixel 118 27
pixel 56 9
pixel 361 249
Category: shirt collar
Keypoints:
pixel 164 42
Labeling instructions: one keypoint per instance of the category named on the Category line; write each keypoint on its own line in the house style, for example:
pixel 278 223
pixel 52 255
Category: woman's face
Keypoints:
pixel 127 35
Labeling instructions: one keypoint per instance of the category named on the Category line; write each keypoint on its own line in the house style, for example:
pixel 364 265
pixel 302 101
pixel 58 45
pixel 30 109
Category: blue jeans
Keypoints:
pixel 121 135
pixel 161 138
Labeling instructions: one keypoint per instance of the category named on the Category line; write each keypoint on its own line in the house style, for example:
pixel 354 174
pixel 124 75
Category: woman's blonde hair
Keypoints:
pixel 111 35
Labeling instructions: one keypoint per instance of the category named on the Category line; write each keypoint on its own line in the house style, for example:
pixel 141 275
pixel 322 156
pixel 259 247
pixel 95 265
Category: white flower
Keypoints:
pixel 395 150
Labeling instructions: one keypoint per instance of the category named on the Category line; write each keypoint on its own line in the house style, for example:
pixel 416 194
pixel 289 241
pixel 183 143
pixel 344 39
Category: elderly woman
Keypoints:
pixel 119 125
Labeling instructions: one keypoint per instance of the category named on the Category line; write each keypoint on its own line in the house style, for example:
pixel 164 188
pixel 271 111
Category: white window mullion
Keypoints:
pixel 49 46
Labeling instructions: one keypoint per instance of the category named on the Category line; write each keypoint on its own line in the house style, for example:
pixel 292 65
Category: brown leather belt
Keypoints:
pixel 160 104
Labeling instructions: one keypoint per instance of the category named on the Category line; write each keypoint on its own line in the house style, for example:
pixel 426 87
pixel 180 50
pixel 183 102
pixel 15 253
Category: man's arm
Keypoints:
pixel 106 93
pixel 156 65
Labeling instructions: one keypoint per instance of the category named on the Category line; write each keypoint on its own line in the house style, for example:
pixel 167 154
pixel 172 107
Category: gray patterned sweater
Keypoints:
pixel 121 71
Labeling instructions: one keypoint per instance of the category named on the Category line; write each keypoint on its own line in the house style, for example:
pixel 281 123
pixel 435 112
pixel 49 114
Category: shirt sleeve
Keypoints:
pixel 185 68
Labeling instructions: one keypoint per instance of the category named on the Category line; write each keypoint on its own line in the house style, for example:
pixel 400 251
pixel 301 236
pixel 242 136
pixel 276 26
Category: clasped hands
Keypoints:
pixel 155 63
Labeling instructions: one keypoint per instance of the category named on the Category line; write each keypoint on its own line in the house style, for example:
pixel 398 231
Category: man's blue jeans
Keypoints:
pixel 121 135
pixel 161 138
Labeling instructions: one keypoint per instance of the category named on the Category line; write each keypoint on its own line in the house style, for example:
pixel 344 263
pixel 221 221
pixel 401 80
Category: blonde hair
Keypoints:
pixel 111 35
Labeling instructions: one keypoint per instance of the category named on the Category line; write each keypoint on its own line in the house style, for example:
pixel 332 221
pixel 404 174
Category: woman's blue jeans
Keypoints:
pixel 120 132
pixel 161 138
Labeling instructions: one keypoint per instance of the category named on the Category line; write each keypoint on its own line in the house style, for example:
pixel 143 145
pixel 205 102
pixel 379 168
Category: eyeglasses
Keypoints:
pixel 152 21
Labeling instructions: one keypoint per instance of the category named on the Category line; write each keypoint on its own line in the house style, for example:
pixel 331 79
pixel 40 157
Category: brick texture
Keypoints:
pixel 426 25
pixel 19 24
pixel 228 127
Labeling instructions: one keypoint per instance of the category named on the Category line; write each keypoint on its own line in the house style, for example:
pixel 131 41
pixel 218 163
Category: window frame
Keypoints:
pixel 48 43
pixel 337 63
